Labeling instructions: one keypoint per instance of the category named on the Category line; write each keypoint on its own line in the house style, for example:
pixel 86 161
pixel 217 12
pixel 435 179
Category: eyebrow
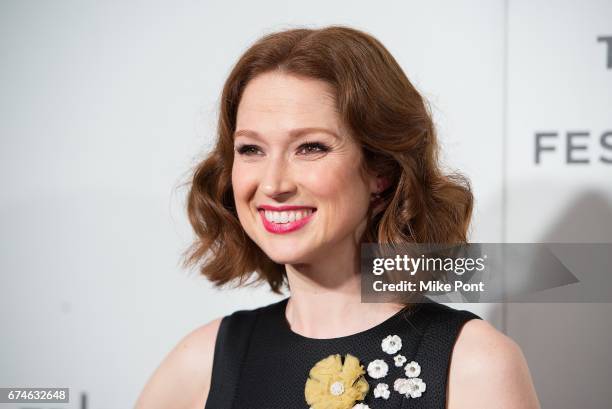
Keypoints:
pixel 294 133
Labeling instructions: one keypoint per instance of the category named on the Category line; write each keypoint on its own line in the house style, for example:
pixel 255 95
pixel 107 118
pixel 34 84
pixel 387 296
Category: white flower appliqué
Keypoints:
pixel 413 369
pixel 411 387
pixel 401 385
pixel 382 391
pixel 361 406
pixel 417 387
pixel 378 369
pixel 391 344
pixel 399 360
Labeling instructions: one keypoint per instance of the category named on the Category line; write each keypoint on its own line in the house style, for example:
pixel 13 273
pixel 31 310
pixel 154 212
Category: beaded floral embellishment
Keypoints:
pixel 391 344
pixel 399 360
pixel 336 385
pixel 410 387
pixel 378 369
pixel 382 391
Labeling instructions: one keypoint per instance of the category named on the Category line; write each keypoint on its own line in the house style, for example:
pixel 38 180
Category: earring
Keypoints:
pixel 375 196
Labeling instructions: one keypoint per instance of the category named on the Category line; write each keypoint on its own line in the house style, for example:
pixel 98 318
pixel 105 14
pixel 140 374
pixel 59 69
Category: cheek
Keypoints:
pixel 342 191
pixel 243 184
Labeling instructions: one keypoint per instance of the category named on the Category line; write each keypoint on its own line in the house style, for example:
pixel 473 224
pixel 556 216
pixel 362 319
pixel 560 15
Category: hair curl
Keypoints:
pixel 383 112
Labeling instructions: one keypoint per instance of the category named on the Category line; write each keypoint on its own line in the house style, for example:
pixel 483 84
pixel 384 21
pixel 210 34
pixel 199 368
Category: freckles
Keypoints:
pixel 321 183
pixel 244 182
pixel 339 188
pixel 343 177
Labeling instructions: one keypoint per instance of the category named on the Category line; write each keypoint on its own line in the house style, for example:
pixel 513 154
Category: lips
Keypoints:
pixel 282 228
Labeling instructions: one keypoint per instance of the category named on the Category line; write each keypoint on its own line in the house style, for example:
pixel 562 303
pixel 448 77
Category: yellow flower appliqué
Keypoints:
pixel 334 385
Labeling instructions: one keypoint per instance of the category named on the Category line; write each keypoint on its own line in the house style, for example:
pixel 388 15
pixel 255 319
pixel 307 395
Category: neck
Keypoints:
pixel 325 300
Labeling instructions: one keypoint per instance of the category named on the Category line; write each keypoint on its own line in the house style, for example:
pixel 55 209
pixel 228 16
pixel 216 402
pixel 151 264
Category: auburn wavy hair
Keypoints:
pixel 383 112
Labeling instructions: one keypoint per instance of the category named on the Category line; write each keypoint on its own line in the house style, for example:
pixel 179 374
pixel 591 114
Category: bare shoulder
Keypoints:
pixel 488 369
pixel 187 368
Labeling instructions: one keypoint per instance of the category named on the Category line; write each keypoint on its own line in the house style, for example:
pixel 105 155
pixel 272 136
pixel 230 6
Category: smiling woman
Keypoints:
pixel 323 144
pixel 296 152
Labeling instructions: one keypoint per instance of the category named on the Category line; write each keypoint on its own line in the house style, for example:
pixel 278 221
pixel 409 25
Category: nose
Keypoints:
pixel 277 180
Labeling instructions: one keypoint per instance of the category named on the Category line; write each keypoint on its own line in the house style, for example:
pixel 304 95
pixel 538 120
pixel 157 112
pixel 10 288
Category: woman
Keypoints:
pixel 323 144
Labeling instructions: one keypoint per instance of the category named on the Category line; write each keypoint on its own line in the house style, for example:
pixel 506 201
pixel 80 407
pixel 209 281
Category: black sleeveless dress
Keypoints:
pixel 260 363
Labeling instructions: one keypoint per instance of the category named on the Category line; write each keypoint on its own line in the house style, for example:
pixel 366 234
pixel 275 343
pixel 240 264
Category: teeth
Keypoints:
pixel 286 216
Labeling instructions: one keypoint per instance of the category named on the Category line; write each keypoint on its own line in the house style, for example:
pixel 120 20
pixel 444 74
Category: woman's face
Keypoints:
pixel 291 150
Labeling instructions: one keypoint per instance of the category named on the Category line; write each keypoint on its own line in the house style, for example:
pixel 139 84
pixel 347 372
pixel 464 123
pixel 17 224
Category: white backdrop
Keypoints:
pixel 559 83
pixel 105 106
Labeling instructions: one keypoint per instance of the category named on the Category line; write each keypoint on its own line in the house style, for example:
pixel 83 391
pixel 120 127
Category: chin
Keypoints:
pixel 287 254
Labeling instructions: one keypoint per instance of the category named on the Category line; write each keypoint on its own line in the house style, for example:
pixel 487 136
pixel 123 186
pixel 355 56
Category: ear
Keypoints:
pixel 384 183
pixel 379 184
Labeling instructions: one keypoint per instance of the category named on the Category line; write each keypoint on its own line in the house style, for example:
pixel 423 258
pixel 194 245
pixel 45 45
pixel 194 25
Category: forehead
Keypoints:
pixel 275 101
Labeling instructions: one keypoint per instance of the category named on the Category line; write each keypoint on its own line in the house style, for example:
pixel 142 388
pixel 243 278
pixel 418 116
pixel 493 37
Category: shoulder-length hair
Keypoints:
pixel 383 112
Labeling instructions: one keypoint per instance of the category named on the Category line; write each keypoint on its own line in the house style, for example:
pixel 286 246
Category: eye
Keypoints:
pixel 305 148
pixel 247 150
pixel 313 147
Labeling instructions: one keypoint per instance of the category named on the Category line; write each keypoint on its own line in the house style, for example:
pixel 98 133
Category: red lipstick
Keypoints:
pixel 282 228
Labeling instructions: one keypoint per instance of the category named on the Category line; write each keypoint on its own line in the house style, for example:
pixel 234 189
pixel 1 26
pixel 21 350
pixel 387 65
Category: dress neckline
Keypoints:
pixel 381 327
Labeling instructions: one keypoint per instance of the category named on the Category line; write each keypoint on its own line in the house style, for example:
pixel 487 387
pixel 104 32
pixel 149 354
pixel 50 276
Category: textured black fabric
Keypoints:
pixel 260 363
pixel 230 349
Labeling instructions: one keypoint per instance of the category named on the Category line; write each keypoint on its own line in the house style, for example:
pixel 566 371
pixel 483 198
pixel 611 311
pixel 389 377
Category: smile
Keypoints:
pixel 285 221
